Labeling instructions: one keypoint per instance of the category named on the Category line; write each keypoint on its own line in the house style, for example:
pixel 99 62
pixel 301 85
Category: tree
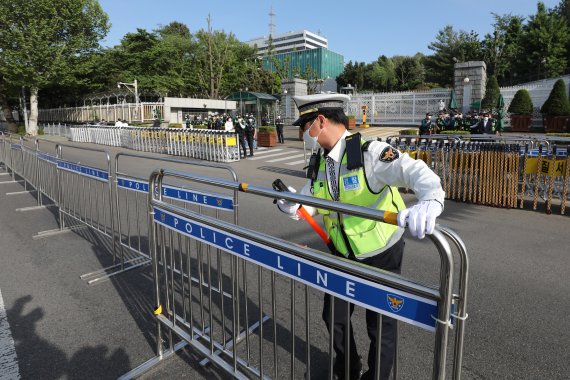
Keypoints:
pixel 492 93
pixel 544 44
pixel 40 38
pixel 5 105
pixel 501 48
pixel 521 103
pixel 451 47
pixel 409 71
pixel 557 103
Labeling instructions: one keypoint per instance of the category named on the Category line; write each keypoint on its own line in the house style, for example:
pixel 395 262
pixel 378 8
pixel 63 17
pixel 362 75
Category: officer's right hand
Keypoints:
pixel 288 207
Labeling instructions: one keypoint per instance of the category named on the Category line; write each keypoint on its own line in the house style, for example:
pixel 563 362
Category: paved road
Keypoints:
pixel 518 326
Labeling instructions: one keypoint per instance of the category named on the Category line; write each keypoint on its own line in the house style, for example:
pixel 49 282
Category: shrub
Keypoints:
pixel 21 130
pixel 492 93
pixel 267 128
pixel 558 134
pixel 175 125
pixel 409 132
pixel 40 131
pixel 521 103
pixel 351 117
pixel 557 103
pixel 200 126
pixel 455 132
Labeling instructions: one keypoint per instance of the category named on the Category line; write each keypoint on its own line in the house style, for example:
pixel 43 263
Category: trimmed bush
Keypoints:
pixel 558 134
pixel 455 132
pixel 175 125
pixel 557 103
pixel 492 93
pixel 267 128
pixel 409 132
pixel 521 103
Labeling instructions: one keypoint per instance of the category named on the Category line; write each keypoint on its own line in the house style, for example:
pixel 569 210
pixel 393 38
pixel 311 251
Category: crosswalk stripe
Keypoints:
pixel 286 158
pixel 268 151
pixel 295 163
pixel 269 155
pixel 8 359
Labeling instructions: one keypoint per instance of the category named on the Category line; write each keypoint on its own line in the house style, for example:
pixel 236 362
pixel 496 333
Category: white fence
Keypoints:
pixel 538 90
pixel 409 108
pixel 397 108
pixel 108 112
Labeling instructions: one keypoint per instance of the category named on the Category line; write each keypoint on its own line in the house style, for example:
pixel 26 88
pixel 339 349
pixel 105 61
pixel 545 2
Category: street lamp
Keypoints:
pixel 135 86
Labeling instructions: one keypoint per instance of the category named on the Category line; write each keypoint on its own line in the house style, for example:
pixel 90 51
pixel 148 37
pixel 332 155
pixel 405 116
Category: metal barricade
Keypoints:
pixel 84 194
pixel 186 315
pixel 130 201
pixel 47 176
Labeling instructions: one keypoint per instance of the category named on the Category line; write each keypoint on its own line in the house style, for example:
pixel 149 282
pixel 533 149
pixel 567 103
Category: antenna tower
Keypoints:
pixel 271 21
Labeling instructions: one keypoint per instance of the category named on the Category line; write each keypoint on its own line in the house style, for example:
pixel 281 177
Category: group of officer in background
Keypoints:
pixel 472 122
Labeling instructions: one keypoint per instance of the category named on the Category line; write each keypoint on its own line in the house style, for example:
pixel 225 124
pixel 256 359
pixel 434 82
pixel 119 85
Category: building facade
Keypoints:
pixel 313 64
pixel 288 42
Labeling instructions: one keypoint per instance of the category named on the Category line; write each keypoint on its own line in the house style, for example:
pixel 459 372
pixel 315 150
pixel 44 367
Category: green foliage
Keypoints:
pixel 412 132
pixel 267 128
pixel 492 93
pixel 557 103
pixel 40 39
pixel 450 47
pixel 200 126
pixel 40 131
pixel 455 132
pixel 21 130
pixel 175 125
pixel 544 44
pixel 521 103
pixel 559 135
pixel 350 117
pixel 502 47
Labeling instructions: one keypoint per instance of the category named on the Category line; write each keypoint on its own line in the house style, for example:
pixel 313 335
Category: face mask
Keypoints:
pixel 485 119
pixel 311 142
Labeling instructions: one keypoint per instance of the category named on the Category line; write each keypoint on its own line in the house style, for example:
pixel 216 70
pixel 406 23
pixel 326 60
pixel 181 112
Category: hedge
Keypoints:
pixel 521 103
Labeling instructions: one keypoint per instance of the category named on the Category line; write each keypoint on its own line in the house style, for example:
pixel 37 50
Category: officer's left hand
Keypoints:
pixel 420 218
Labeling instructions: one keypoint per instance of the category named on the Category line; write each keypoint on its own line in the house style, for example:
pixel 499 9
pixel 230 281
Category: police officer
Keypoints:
pixel 279 126
pixel 426 126
pixel 240 129
pixel 374 183
pixel 486 125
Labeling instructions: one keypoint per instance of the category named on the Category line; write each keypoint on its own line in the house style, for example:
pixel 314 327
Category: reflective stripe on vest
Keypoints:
pixel 363 237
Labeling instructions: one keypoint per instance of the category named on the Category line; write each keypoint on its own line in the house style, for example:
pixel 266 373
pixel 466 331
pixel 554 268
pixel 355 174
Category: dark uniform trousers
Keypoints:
pixel 390 260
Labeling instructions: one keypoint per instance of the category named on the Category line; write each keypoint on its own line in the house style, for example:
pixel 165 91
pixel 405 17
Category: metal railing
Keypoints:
pixel 184 240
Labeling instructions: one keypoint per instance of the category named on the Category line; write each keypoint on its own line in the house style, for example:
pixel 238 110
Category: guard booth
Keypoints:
pixel 258 103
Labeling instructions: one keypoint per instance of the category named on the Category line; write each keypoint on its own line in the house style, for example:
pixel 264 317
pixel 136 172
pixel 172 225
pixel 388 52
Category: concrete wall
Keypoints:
pixel 287 107
pixel 476 71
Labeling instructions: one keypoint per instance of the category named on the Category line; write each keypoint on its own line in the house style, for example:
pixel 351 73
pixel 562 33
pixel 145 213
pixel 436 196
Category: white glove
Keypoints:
pixel 288 207
pixel 420 218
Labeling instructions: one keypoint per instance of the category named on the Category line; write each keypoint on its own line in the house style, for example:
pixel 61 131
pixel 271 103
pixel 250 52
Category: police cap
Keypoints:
pixel 310 105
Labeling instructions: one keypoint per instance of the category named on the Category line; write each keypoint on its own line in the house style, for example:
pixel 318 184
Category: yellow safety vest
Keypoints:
pixel 351 234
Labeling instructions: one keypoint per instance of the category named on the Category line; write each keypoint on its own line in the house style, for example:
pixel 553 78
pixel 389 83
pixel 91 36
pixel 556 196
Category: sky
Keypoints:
pixel 360 30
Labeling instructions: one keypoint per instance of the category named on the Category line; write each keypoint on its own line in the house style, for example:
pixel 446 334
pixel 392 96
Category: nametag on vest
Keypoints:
pixel 351 183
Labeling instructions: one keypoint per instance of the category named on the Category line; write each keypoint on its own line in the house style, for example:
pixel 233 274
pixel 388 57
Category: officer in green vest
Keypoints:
pixel 374 183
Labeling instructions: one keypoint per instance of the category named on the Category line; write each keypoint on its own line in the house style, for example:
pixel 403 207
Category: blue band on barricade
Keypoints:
pixel 534 153
pixel 16 146
pixel 398 304
pixel 191 196
pixel 47 157
pixel 83 170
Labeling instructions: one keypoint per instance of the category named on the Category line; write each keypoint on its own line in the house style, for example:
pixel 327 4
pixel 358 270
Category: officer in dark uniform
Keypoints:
pixel 426 126
pixel 279 126
pixel 486 125
pixel 440 122
pixel 240 130
pixel 250 134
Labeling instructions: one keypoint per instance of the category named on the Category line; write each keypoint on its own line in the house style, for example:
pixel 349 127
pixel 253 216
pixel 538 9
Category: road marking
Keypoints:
pixel 295 163
pixel 286 158
pixel 8 360
pixel 269 155
pixel 268 151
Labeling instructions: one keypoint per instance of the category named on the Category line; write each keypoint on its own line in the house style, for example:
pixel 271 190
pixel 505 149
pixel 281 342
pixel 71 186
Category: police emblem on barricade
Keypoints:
pixel 219 201
pixel 389 154
pixel 395 303
pixel 162 216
